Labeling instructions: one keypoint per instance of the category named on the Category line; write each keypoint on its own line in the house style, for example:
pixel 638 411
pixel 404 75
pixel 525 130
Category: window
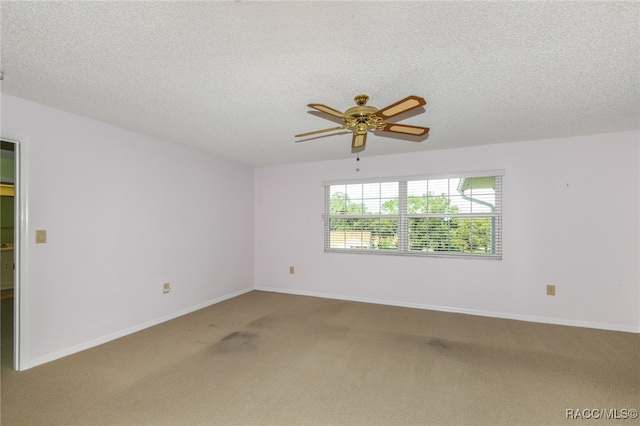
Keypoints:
pixel 452 215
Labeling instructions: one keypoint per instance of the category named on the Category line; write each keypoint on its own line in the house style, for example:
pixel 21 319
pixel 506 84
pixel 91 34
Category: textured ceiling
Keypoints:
pixel 234 78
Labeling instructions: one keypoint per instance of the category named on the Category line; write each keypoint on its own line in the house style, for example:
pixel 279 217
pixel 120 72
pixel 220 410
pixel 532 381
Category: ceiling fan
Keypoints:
pixel 362 118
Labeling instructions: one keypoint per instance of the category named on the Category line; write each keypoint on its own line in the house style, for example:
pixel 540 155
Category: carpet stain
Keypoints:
pixel 238 341
pixel 439 343
pixel 238 335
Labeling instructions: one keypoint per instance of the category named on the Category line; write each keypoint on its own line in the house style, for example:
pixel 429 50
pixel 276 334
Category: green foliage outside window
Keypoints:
pixel 442 233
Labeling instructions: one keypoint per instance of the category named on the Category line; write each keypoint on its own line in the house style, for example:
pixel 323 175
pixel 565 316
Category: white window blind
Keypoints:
pixel 457 215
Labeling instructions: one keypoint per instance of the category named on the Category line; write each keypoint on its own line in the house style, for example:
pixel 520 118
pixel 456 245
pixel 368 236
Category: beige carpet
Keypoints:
pixel 267 358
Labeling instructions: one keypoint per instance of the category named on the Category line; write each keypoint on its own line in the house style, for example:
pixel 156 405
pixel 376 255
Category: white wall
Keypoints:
pixel 124 213
pixel 571 218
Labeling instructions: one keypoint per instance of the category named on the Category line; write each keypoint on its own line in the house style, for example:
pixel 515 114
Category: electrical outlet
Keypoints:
pixel 292 270
pixel 166 288
pixel 551 290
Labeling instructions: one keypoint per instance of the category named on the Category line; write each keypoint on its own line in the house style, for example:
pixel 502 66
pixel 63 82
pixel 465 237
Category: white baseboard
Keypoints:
pixel 113 336
pixel 518 317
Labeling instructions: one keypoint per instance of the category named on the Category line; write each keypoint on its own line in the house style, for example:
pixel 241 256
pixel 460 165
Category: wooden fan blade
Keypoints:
pixel 328 110
pixel 321 131
pixel 358 142
pixel 407 104
pixel 405 129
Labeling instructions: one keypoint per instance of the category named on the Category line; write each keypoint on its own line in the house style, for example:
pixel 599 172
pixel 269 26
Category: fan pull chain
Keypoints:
pixel 358 160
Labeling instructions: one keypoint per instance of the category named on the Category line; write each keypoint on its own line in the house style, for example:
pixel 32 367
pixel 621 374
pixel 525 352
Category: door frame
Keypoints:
pixel 20 247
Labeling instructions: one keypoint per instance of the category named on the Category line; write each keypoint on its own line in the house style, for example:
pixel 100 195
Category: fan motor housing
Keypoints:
pixel 361 111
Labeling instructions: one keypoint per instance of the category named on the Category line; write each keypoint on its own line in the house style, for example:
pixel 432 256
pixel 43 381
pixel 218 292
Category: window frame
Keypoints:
pixel 403 217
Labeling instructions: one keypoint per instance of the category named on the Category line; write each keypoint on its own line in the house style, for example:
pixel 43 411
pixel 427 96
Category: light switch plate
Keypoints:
pixel 41 236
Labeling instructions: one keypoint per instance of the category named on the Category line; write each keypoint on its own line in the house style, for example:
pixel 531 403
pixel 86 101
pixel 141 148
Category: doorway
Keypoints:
pixel 9 252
